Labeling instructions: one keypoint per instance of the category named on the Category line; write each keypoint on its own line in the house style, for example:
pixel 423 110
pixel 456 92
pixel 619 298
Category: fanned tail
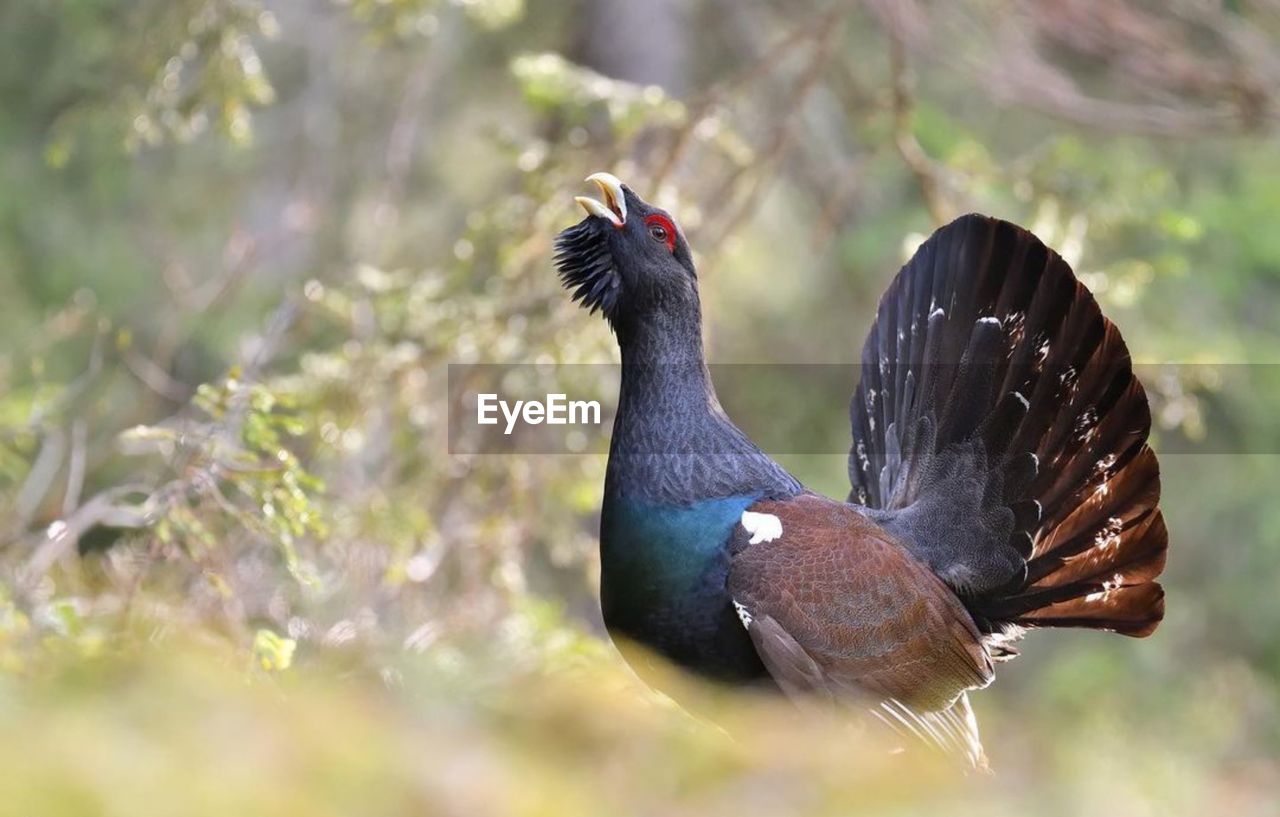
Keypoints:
pixel 1000 433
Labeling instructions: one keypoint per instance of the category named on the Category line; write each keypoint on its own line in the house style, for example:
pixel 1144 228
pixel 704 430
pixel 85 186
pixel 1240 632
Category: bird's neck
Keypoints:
pixel 672 442
pixel 666 394
pixel 664 372
pixel 671 334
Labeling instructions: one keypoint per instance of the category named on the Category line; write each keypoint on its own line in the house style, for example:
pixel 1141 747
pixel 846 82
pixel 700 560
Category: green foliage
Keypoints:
pixel 196 67
pixel 268 474
pixel 554 85
pixel 421 18
pixel 232 467
pixel 273 653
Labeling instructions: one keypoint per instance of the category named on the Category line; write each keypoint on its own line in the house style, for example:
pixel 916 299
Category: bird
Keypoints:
pixel 1001 480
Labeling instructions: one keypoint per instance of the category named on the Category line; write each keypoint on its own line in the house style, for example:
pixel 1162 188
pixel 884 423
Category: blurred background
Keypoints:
pixel 241 241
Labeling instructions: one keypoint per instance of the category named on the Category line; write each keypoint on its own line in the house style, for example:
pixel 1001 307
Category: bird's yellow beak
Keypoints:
pixel 615 204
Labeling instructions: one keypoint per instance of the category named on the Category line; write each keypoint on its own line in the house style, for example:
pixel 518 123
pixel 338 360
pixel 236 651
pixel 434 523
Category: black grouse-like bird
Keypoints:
pixel 1001 479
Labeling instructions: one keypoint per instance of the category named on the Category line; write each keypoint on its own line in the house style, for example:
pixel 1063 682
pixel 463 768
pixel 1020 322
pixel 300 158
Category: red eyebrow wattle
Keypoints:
pixel 667 224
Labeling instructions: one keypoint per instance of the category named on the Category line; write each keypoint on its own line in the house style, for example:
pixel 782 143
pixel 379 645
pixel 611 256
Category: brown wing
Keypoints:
pixel 835 606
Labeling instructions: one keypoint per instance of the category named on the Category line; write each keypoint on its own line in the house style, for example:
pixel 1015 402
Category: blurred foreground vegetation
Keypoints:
pixel 241 241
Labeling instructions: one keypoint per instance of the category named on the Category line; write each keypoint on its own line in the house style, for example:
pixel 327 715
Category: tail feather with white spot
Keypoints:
pixel 1000 434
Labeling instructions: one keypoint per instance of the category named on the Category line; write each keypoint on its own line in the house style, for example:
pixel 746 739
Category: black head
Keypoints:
pixel 627 258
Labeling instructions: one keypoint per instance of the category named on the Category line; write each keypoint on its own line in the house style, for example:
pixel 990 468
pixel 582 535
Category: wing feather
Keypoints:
pixel 839 611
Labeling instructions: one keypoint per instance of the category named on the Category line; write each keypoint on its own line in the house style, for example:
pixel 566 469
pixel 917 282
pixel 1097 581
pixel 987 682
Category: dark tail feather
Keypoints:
pixel 1002 435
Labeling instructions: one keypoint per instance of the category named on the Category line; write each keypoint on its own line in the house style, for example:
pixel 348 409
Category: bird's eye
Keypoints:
pixel 661 229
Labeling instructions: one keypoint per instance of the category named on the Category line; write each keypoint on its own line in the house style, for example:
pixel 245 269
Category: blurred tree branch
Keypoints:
pixel 1163 80
pixel 927 173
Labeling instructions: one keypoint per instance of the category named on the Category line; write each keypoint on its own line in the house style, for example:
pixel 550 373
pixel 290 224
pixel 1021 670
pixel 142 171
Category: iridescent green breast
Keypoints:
pixel 663 576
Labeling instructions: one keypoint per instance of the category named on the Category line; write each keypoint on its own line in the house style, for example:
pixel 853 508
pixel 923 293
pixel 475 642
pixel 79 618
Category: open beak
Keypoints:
pixel 615 204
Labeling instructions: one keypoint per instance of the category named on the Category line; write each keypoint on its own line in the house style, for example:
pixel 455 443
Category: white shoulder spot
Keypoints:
pixel 763 527
pixel 744 615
